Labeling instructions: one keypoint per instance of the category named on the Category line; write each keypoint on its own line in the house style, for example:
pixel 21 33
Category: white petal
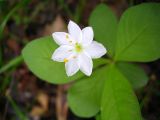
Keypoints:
pixel 75 31
pixel 71 67
pixel 61 53
pixel 85 63
pixel 96 50
pixel 62 38
pixel 87 35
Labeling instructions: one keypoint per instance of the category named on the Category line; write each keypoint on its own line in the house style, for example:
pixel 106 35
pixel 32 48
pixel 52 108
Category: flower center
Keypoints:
pixel 78 47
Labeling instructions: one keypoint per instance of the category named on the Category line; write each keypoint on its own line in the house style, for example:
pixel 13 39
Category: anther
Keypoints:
pixel 65 60
pixel 74 57
pixel 67 37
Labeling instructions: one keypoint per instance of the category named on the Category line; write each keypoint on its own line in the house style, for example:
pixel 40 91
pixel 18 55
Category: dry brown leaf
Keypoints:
pixel 57 25
pixel 13 45
pixel 43 100
pixel 37 111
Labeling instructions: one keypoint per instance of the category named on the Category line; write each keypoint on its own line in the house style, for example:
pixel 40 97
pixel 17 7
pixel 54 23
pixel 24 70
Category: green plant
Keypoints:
pixel 108 93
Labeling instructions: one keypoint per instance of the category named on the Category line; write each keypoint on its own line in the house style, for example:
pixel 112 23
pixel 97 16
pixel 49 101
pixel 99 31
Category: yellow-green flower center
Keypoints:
pixel 78 47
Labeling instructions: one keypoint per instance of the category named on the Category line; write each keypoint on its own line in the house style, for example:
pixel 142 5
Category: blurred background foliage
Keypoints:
pixel 22 95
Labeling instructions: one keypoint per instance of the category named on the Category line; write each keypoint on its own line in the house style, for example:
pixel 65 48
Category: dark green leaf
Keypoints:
pixel 98 117
pixel 19 113
pixel 139 33
pixel 104 24
pixel 84 96
pixel 136 75
pixel 118 100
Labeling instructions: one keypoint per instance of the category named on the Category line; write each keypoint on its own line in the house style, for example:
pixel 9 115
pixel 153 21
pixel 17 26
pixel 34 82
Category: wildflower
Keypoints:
pixel 77 49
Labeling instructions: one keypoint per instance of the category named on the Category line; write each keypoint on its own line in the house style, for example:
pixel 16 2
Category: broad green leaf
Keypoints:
pixel 98 117
pixel 138 37
pixel 37 55
pixel 84 96
pixel 136 75
pixel 118 100
pixel 104 24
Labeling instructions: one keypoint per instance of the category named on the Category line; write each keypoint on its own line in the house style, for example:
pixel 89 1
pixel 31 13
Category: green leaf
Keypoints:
pixel 19 113
pixel 11 64
pixel 118 100
pixel 136 75
pixel 138 34
pixel 98 117
pixel 104 24
pixel 37 55
pixel 84 96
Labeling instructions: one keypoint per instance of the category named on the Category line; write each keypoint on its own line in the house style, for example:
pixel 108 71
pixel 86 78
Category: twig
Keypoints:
pixel 61 104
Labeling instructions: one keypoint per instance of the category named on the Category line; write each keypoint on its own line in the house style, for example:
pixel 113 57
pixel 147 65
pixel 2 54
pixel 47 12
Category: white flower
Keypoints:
pixel 77 49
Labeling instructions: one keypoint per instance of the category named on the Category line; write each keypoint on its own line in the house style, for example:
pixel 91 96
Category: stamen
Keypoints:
pixel 67 37
pixel 74 57
pixel 78 47
pixel 65 60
